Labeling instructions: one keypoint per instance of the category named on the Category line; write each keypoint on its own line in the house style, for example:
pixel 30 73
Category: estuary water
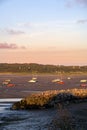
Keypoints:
pixel 23 119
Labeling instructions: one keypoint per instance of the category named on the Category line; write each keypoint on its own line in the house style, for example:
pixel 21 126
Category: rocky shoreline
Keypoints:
pixel 51 99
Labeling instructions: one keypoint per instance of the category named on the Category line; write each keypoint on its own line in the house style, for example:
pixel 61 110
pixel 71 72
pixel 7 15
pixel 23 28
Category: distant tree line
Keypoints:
pixel 40 68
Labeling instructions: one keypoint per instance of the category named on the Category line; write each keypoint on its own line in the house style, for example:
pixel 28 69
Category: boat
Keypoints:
pixel 7 81
pixel 33 80
pixel 55 80
pixel 58 80
pixel 83 80
pixel 83 83
pixel 10 85
pixel 61 82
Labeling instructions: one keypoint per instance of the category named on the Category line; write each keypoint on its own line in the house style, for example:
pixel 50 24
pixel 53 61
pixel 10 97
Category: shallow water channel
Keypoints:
pixel 23 120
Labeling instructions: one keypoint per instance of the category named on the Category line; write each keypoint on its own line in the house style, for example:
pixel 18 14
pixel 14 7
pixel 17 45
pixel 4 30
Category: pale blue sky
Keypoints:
pixel 38 27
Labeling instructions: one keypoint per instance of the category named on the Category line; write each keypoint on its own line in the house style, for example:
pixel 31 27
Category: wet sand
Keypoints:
pixel 23 88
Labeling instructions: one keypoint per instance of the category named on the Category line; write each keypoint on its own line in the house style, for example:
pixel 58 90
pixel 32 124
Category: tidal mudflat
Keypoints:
pixel 23 88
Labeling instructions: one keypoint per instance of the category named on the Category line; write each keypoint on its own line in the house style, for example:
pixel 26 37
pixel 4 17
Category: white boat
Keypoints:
pixel 56 80
pixel 4 82
pixel 83 80
pixel 33 80
pixel 7 81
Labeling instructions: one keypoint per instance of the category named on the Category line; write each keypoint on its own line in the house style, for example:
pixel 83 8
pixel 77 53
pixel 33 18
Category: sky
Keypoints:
pixel 43 31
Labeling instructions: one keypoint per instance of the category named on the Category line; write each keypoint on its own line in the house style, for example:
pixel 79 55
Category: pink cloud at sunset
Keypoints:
pixel 10 46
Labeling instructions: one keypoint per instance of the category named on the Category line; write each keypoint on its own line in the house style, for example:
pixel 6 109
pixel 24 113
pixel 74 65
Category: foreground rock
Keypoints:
pixel 53 98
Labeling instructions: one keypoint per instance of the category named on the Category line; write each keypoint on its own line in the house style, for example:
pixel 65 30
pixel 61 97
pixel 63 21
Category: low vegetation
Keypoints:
pixel 53 98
